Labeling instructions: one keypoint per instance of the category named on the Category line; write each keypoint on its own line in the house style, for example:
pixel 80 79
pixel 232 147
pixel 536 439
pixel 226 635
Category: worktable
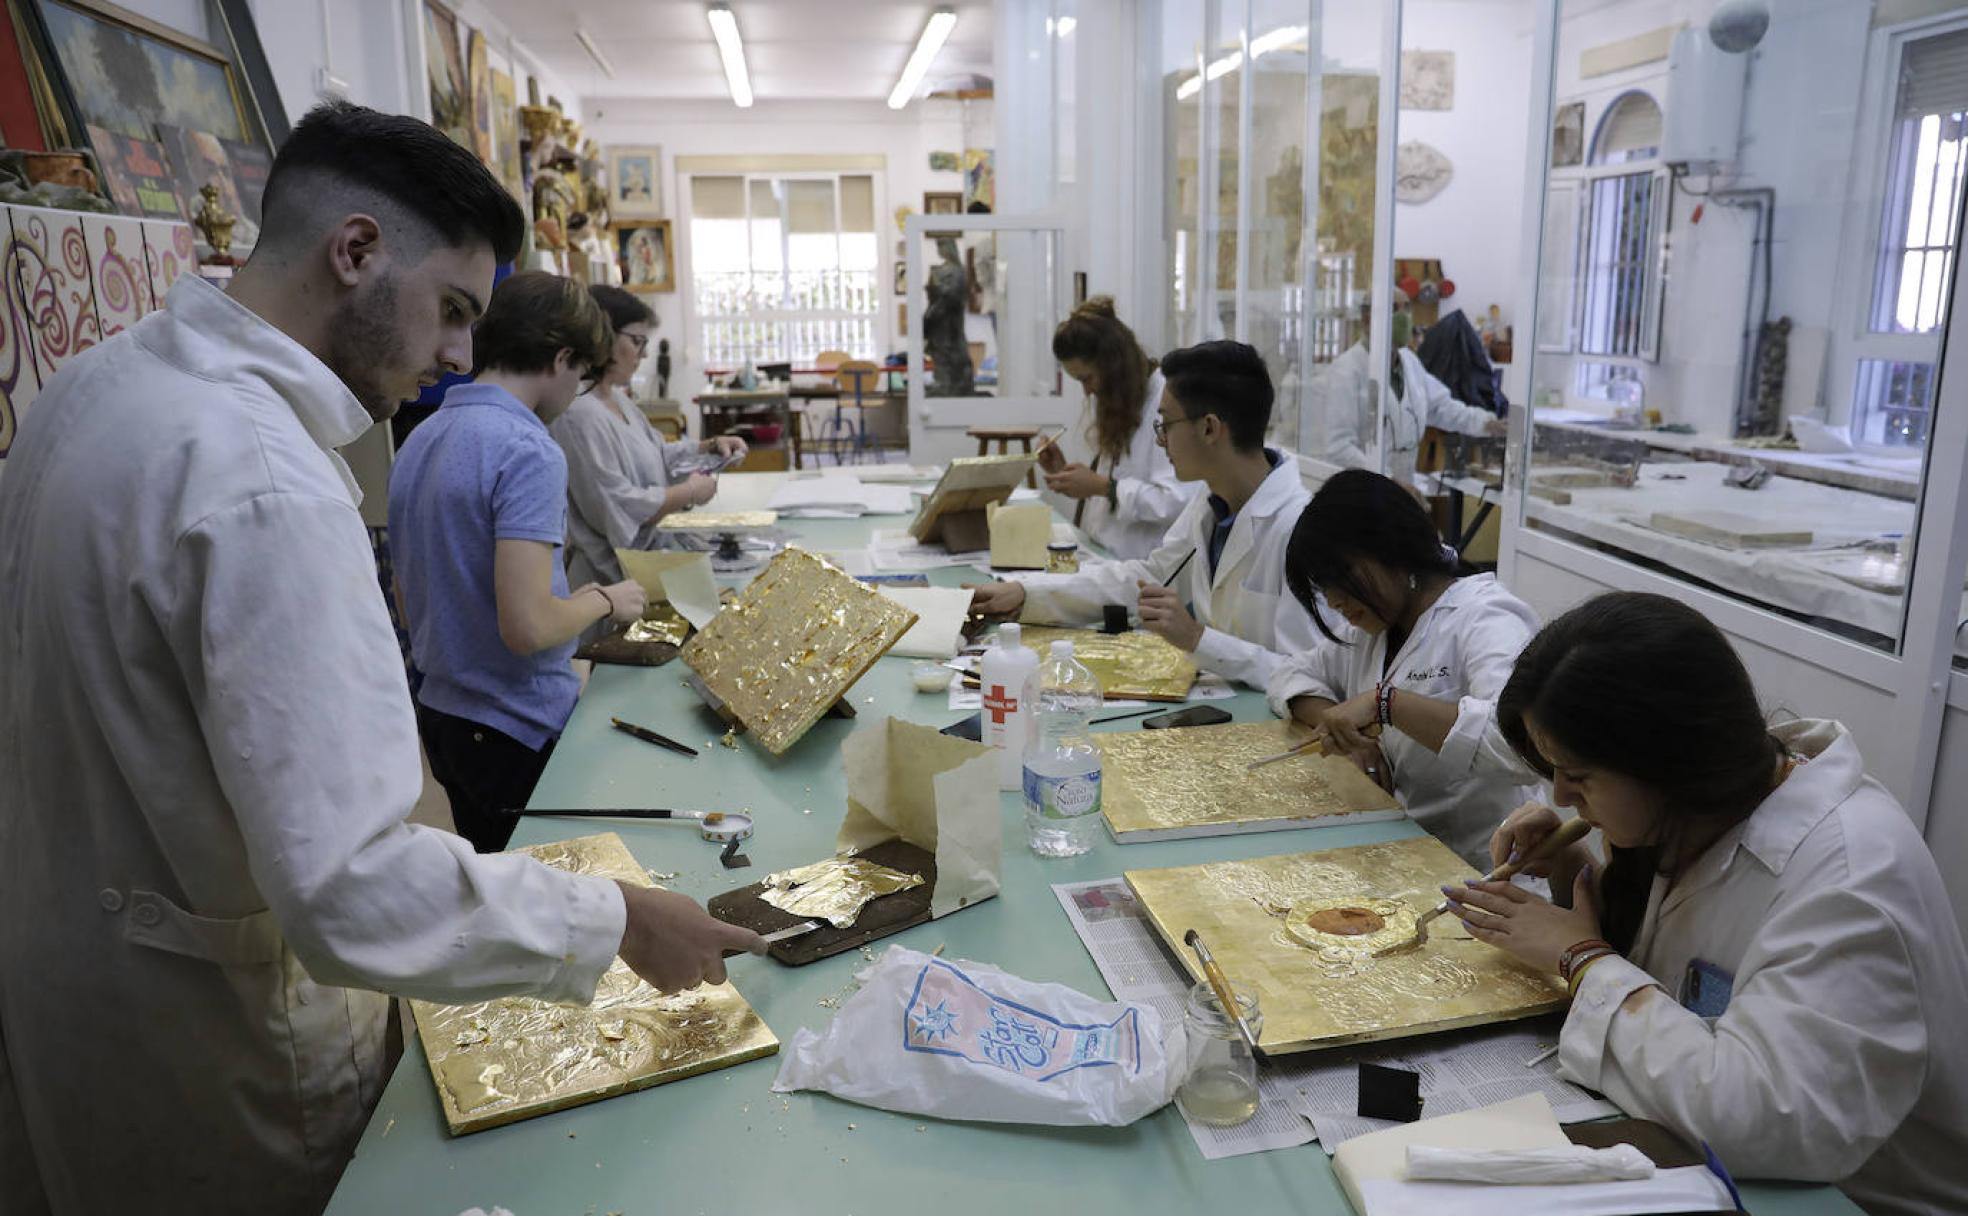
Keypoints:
pixel 722 1144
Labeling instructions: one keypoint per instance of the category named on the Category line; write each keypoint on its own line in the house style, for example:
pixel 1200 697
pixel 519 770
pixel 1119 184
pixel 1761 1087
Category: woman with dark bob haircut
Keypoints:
pixel 1768 960
pixel 1417 651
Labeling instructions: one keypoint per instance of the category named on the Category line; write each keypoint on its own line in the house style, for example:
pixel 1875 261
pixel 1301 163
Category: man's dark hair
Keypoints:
pixel 624 308
pixel 532 317
pixel 339 152
pixel 1227 379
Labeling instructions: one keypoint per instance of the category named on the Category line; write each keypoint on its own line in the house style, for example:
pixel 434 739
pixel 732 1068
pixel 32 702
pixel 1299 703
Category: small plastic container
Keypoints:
pixel 930 676
pixel 1220 1088
pixel 1062 557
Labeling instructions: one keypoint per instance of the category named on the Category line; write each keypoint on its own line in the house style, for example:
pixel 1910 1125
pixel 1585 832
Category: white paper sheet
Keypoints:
pixel 684 579
pixel 839 495
pixel 894 549
pixel 1208 687
pixel 940 614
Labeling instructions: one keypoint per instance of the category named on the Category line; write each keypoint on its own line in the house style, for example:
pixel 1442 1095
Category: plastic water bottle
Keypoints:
pixel 1062 769
pixel 1008 677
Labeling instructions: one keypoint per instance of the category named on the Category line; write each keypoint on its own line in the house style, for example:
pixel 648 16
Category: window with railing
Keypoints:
pixel 1927 149
pixel 1619 290
pixel 783 267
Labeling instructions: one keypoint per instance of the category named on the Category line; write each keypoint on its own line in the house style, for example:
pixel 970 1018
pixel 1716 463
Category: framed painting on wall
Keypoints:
pixel 444 65
pixel 643 247
pixel 942 202
pixel 635 183
pixel 505 136
pixel 479 72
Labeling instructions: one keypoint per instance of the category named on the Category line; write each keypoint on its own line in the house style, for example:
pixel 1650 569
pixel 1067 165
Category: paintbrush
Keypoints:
pixel 1226 997
pixel 1567 834
pixel 1287 754
pixel 1179 567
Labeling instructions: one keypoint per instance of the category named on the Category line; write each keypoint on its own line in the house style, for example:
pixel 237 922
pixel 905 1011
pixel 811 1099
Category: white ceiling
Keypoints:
pixel 796 50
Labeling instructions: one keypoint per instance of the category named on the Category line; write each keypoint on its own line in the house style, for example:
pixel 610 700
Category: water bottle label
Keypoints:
pixel 1063 797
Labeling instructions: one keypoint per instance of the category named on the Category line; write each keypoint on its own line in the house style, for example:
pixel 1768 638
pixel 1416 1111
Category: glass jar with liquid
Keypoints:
pixel 1220 1088
pixel 1062 557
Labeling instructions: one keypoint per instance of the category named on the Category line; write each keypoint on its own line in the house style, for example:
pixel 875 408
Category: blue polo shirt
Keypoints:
pixel 480 470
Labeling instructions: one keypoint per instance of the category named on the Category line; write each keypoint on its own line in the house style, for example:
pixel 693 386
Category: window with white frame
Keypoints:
pixel 784 266
pixel 1624 212
pixel 1927 148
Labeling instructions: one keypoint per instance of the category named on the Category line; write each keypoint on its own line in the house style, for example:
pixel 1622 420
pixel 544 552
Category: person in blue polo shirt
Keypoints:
pixel 478 514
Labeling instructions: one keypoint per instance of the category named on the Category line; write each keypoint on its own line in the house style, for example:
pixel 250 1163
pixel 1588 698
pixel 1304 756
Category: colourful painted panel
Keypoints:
pixel 49 261
pixel 116 263
pixel 18 381
pixel 168 253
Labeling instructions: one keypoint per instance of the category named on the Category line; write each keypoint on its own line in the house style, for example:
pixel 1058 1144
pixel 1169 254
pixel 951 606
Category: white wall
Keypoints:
pixel 1474 225
pixel 905 138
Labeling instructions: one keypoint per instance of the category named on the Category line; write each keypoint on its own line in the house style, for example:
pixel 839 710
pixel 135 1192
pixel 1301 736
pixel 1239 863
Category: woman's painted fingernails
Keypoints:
pixel 1515 853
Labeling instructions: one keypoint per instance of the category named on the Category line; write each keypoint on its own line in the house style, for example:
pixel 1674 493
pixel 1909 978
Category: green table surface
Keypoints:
pixel 723 1143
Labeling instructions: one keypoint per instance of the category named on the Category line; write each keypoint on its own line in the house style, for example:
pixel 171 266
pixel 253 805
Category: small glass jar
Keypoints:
pixel 1062 557
pixel 1220 1088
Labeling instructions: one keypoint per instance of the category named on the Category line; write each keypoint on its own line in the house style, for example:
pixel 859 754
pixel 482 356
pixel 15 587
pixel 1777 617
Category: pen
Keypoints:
pixel 650 736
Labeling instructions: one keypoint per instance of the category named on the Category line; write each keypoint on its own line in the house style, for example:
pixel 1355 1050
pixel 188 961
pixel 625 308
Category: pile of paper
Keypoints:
pixel 840 496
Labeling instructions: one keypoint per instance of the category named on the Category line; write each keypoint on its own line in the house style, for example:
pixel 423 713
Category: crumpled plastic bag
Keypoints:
pixel 963 1040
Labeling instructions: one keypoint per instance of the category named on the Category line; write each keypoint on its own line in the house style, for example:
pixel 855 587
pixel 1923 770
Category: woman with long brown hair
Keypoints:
pixel 1769 961
pixel 1128 492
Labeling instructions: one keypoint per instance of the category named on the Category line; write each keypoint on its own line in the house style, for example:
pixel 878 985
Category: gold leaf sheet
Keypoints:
pixel 716 521
pixel 835 889
pixel 792 644
pixel 1196 781
pixel 1136 665
pixel 659 623
pixel 500 1061
pixel 1252 915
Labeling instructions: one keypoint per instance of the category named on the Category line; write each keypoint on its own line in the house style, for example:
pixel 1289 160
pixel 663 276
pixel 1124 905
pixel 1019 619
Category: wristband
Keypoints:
pixel 1384 705
pixel 1572 954
pixel 1580 967
pixel 606 599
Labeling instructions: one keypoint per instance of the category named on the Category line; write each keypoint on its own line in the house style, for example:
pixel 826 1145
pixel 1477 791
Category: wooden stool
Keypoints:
pixel 1004 435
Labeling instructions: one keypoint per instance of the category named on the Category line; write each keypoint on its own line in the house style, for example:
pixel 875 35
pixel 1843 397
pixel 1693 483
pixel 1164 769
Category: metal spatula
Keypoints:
pixel 1568 833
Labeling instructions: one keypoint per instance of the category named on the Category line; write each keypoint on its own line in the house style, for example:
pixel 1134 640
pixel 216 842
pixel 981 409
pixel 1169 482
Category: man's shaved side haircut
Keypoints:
pixel 425 190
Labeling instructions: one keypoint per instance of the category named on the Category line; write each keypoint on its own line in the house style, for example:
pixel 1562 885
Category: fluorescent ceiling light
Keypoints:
pixel 731 49
pixel 1063 28
pixel 594 52
pixel 1272 40
pixel 934 35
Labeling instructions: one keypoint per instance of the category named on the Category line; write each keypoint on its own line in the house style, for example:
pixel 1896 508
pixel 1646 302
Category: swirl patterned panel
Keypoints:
pixel 49 262
pixel 168 253
pixel 18 382
pixel 116 259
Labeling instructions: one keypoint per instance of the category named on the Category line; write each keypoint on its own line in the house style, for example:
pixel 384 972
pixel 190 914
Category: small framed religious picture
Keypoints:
pixel 644 249
pixel 635 183
pixel 901 278
pixel 940 202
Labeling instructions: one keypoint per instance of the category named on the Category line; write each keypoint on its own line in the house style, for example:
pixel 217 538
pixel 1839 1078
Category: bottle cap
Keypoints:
pixel 1062 650
pixel 1008 634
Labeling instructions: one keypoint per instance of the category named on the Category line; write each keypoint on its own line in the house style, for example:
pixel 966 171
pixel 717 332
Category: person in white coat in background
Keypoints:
pixel 1128 496
pixel 622 475
pixel 1420 653
pixel 207 750
pixel 1768 960
pixel 1227 606
pixel 1411 400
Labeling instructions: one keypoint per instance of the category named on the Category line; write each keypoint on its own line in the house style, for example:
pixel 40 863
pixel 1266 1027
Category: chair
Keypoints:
pixel 1003 436
pixel 856 376
pixel 826 360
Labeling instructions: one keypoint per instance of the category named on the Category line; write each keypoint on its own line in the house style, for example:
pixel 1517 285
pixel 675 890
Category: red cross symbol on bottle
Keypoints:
pixel 999 704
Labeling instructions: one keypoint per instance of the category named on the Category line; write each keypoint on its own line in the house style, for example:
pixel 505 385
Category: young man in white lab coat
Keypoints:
pixel 207 752
pixel 1768 962
pixel 1227 606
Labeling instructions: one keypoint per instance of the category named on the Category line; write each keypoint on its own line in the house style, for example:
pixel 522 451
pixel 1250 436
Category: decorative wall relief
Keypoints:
pixel 116 263
pixel 1428 80
pixel 18 381
pixel 49 265
pixel 1421 172
pixel 169 251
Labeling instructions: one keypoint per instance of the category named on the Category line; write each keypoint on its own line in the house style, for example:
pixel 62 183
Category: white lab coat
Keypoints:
pixel 207 754
pixel 1840 1056
pixel 1147 493
pixel 1344 405
pixel 1461 650
pixel 1250 622
pixel 617 472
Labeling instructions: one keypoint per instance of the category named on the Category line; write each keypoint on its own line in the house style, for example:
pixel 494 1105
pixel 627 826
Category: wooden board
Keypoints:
pixel 879 917
pixel 1730 530
pixel 1254 917
pixel 971 483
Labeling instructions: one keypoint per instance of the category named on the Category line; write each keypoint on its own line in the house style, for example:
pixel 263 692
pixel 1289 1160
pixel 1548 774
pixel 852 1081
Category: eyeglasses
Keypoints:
pixel 1162 425
pixel 641 340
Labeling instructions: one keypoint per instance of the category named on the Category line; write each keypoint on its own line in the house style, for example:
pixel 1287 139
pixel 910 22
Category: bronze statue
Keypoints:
pixel 943 325
pixel 215 224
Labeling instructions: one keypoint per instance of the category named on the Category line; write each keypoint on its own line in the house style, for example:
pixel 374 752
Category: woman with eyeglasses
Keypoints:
pixel 622 475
